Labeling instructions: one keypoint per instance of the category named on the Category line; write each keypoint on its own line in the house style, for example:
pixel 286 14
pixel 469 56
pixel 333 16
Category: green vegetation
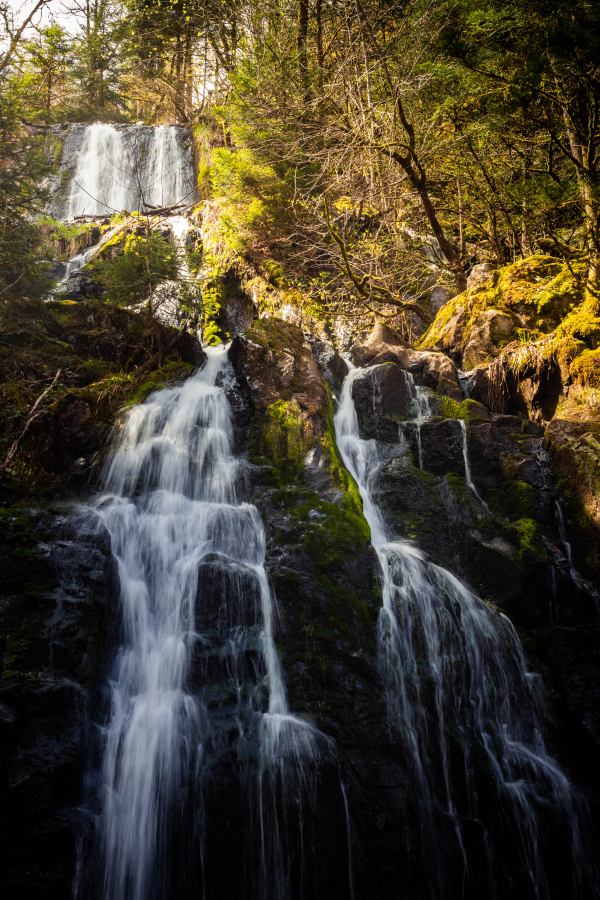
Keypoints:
pixel 131 276
pixel 281 437
pixel 107 357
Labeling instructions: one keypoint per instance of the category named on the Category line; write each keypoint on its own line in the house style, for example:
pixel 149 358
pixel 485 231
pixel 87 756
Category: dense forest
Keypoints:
pixel 300 449
pixel 377 145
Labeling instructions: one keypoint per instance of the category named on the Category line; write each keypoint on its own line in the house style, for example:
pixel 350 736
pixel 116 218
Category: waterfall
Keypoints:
pixel 119 168
pixel 468 478
pixel 421 409
pixel 495 809
pixel 172 508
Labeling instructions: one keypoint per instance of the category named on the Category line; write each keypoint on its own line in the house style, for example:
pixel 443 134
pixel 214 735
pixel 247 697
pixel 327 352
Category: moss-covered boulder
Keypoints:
pixel 524 301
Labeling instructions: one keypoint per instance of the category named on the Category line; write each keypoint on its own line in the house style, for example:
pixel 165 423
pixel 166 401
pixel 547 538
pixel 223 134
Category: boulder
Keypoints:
pixel 488 333
pixel 274 359
pixel 442 444
pixel 479 275
pixel 382 399
pixel 525 300
pixel 429 369
pixel 370 345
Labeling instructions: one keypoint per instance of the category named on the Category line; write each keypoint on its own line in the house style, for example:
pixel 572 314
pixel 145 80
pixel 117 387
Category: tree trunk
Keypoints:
pixel 461 221
pixel 301 42
pixel 319 17
pixel 583 150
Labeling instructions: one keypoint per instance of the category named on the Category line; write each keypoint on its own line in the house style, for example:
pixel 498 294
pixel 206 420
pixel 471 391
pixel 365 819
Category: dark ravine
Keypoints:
pixel 59 606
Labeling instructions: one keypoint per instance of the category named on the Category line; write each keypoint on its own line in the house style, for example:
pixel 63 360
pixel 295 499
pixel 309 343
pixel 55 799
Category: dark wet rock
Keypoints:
pixel 275 360
pixel 573 441
pixel 572 658
pixel 242 407
pixel 81 287
pixel 383 400
pixel 322 570
pixel 329 361
pixel 494 569
pixel 228 596
pixel 52 598
pixel 442 445
pixel 316 471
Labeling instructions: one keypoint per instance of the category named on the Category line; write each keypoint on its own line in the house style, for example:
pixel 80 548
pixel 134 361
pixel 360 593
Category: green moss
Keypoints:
pixel 275 273
pixel 538 294
pixel 515 500
pixel 281 437
pixel 167 374
pixel 457 485
pixel 452 409
pixel 524 534
pixel 213 304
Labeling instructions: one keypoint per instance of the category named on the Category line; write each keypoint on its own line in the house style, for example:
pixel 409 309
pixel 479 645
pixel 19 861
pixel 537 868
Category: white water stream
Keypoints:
pixel 170 504
pixel 443 651
pixel 121 168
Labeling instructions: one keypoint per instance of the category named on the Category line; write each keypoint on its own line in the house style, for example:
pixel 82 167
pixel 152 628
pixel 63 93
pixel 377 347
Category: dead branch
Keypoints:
pixel 368 287
pixel 31 418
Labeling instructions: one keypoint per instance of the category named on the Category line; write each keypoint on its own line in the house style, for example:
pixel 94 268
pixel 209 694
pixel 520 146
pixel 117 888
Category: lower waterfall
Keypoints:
pixel 496 812
pixel 171 507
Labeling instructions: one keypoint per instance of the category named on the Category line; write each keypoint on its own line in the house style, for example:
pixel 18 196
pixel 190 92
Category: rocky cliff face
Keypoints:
pixel 511 548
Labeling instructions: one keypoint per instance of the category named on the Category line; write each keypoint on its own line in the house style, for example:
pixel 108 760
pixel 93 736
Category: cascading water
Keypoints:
pixel 496 812
pixel 420 408
pixel 120 168
pixel 172 510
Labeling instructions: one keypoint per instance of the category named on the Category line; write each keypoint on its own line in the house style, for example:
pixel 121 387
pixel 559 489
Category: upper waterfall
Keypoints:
pixel 105 169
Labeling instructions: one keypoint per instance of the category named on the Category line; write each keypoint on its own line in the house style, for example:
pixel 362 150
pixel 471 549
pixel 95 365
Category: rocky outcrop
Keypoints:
pixel 107 356
pixel 432 370
pixel 524 301
pixel 324 577
pixel 323 573
pixel 275 360
pixel 573 440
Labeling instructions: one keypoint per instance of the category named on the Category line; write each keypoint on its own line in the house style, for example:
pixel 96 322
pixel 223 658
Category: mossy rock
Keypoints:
pixel 530 298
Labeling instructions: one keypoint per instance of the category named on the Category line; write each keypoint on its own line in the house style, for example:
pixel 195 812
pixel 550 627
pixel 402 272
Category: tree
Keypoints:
pixel 546 57
pixel 15 32
pixel 21 197
pixel 48 56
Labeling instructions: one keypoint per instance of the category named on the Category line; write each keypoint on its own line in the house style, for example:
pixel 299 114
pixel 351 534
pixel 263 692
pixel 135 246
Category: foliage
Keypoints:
pixel 134 273
pixel 22 267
